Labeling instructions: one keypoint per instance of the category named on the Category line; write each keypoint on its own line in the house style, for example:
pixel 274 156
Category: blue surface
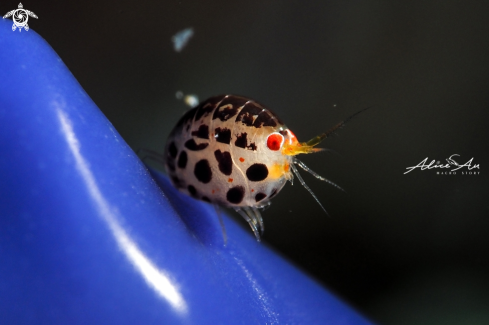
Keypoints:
pixel 88 237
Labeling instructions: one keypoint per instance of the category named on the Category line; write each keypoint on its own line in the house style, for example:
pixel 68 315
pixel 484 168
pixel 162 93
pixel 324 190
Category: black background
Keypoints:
pixel 403 249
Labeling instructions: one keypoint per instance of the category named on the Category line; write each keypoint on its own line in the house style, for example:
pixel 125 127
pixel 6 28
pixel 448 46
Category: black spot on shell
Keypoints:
pixel 241 140
pixel 182 159
pixel 170 163
pixel 192 145
pixel 247 120
pixel 265 119
pixel 203 171
pixel 224 113
pixel 274 192
pixel 228 108
pixel 206 199
pixel 225 162
pixel 177 182
pixel 236 101
pixel 283 132
pixel 189 116
pixel 207 106
pixel 246 115
pixel 192 190
pixel 260 196
pixel 257 172
pixel 202 132
pixel 235 194
pixel 203 111
pixel 172 150
pixel 223 135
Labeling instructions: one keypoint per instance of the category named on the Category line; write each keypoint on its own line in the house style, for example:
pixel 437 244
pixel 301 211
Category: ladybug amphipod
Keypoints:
pixel 234 152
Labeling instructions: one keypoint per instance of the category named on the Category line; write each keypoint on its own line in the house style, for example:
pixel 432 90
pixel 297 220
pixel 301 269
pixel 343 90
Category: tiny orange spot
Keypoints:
pixel 286 167
pixel 252 190
pixel 213 191
pixel 241 159
pixel 230 180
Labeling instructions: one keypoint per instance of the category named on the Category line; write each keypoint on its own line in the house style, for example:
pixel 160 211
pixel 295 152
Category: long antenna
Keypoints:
pixel 314 141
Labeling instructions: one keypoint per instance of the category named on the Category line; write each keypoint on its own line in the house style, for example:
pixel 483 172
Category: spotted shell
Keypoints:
pixel 234 152
pixel 221 152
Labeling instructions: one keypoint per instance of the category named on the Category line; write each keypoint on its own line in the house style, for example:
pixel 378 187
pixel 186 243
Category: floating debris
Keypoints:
pixel 189 100
pixel 179 94
pixel 181 38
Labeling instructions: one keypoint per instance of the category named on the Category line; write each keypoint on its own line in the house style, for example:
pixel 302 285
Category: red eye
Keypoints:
pixel 274 141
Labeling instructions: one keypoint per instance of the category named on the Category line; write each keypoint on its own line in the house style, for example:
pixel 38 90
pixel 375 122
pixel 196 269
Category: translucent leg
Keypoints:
pixel 250 219
pixel 299 177
pixel 221 221
pixel 264 206
pixel 258 218
pixel 313 173
pixel 150 154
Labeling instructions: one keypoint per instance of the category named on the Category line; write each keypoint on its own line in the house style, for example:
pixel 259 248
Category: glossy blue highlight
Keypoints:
pixel 89 236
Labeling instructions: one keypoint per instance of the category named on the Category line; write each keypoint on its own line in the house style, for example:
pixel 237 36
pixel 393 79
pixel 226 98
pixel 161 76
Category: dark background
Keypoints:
pixel 403 249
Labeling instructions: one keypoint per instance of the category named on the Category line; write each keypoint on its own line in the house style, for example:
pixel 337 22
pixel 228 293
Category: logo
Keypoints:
pixel 20 17
pixel 451 164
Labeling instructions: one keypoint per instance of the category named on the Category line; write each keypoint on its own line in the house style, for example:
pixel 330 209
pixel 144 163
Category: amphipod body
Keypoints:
pixel 232 151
